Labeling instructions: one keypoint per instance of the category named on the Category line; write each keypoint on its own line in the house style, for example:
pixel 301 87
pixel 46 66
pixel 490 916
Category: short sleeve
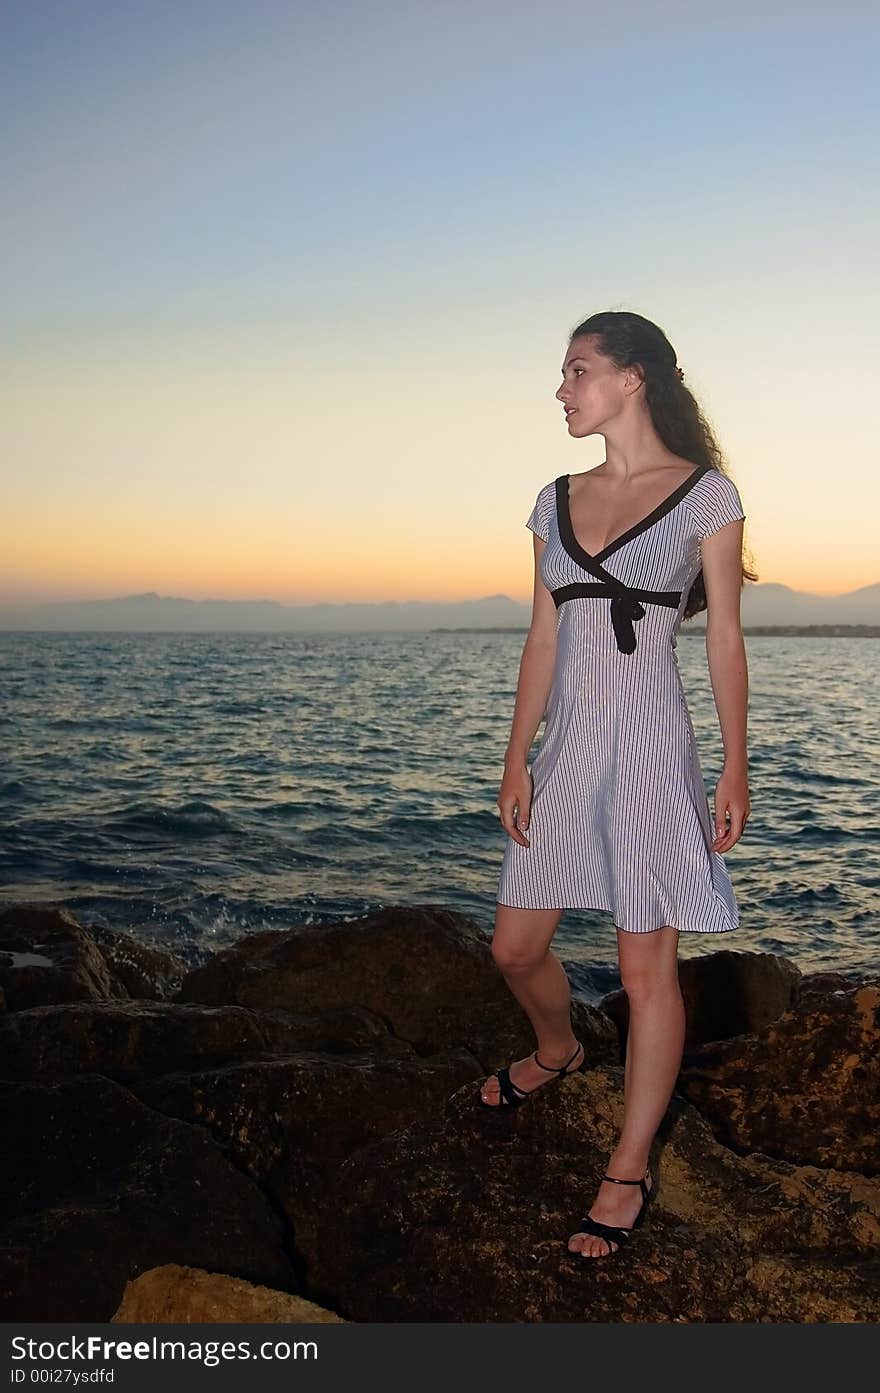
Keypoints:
pixel 539 518
pixel 714 503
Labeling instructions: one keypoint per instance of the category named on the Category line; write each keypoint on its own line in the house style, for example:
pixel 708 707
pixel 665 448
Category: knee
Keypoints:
pixel 644 987
pixel 514 958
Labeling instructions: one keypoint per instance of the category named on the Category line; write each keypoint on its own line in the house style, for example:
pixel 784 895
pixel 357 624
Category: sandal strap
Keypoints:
pixel 646 1193
pixel 564 1068
pixel 512 1094
pixel 613 1231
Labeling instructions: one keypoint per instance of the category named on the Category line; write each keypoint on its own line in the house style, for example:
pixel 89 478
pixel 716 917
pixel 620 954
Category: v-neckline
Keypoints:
pixel 566 530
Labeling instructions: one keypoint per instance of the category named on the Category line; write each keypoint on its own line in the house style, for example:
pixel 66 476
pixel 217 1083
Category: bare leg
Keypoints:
pixel 655 1042
pixel 536 977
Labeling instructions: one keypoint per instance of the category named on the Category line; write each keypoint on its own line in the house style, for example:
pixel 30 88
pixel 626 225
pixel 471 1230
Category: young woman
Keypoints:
pixel 614 813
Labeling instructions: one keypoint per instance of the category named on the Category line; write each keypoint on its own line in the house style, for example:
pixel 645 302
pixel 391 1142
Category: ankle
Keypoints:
pixel 554 1052
pixel 627 1165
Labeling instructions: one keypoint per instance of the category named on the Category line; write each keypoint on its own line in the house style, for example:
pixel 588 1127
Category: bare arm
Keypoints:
pixel 728 672
pixel 533 689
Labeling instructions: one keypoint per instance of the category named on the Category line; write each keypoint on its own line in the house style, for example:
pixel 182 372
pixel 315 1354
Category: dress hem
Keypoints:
pixel 600 909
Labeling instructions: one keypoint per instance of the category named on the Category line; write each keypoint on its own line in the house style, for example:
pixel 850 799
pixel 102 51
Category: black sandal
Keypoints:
pixel 610 1232
pixel 511 1096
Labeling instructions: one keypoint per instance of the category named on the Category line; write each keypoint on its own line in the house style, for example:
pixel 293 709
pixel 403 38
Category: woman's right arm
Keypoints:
pixel 532 692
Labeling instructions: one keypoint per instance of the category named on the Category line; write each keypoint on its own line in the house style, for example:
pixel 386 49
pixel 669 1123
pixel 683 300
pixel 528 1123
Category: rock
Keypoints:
pixel 806 1089
pixel 287 1097
pixel 725 993
pixel 175 1295
pixel 302 1123
pixel 143 972
pixel 818 984
pixel 98 1188
pixel 137 1040
pixel 428 973
pixel 46 956
pixel 466 1218
pixel 288 1122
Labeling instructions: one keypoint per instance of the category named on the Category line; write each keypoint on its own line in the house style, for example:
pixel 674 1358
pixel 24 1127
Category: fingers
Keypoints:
pixel 512 821
pixel 729 824
pixel 514 809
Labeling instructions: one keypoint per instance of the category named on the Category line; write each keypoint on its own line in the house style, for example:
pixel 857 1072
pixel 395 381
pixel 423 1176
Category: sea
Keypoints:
pixel 191 789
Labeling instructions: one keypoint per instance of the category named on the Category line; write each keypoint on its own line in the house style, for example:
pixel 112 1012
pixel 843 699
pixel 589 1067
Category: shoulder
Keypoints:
pixel 713 502
pixel 546 495
pixel 712 483
pixel 541 515
pixel 711 480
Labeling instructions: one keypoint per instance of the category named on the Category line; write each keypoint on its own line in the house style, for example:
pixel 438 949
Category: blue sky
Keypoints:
pixel 333 248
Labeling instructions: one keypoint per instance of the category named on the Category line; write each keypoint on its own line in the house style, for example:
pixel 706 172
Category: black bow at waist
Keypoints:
pixel 625 606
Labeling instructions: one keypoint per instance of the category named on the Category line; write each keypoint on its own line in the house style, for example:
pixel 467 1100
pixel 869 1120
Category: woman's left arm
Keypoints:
pixel 729 675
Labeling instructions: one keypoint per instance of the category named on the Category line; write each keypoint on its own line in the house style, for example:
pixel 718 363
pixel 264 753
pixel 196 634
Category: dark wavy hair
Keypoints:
pixel 630 340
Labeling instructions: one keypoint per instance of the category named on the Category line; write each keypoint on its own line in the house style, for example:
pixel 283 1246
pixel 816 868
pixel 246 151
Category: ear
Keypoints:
pixel 634 378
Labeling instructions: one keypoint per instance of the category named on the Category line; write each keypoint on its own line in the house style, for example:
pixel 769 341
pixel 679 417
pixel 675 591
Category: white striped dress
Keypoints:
pixel 620 817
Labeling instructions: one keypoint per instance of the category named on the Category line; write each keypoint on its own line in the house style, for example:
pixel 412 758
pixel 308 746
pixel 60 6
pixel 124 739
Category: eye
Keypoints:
pixel 579 370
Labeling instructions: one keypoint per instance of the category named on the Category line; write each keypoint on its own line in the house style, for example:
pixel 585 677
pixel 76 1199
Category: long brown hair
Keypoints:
pixel 630 340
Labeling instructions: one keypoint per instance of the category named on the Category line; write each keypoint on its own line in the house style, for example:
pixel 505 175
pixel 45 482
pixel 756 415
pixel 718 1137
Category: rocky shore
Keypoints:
pixel 291 1133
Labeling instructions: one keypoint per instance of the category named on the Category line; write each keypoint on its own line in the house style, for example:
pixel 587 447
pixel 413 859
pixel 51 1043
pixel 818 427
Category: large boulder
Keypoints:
pixel 136 1040
pixel 175 1295
pixel 47 956
pixel 466 1218
pixel 725 993
pixel 428 973
pixel 98 1188
pixel 287 1097
pixel 305 1116
pixel 805 1089
pixel 289 1121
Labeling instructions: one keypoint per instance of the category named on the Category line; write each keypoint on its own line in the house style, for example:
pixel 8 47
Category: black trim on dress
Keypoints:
pixel 625 606
pixel 566 530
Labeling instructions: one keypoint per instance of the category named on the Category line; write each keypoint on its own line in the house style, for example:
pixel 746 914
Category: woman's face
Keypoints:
pixel 592 388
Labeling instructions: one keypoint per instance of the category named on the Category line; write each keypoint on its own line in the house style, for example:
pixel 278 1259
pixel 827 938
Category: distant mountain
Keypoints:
pixel 779 604
pixel 167 614
pixel 763 604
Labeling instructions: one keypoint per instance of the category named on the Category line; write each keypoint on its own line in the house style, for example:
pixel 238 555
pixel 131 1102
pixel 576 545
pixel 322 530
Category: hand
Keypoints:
pixel 515 801
pixel 731 801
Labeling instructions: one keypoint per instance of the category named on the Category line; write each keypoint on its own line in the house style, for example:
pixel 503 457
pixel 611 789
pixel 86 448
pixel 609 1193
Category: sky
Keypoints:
pixel 288 286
